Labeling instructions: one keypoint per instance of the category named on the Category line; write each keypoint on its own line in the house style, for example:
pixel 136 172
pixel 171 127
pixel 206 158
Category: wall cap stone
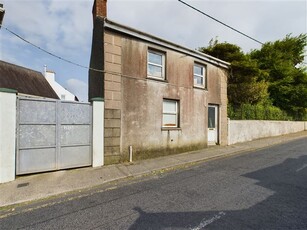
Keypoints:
pixel 7 90
pixel 96 99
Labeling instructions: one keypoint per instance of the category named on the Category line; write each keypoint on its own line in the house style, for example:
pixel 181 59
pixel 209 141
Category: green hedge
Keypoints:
pixel 256 112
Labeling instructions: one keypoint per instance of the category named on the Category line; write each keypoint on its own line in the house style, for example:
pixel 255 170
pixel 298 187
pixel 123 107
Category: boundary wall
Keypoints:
pixel 248 130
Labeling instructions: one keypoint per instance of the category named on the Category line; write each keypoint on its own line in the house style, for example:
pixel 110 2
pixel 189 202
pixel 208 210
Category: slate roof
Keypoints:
pixel 25 81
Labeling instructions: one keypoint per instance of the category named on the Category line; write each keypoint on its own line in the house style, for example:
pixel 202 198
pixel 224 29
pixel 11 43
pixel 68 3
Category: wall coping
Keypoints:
pixel 96 99
pixel 7 90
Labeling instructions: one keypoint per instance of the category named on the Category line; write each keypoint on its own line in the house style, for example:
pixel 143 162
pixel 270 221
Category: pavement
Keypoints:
pixel 40 186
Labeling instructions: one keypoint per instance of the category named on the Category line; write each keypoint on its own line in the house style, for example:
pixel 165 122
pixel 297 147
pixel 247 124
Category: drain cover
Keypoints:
pixel 22 185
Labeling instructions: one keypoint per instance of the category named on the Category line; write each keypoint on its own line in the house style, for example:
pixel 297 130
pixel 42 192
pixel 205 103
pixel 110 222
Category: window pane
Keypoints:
pixel 211 117
pixel 170 120
pixel 198 80
pixel 198 70
pixel 155 58
pixel 154 71
pixel 169 106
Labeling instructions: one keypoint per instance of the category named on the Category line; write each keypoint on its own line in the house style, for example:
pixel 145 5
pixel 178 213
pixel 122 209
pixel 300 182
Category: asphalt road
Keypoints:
pixel 265 189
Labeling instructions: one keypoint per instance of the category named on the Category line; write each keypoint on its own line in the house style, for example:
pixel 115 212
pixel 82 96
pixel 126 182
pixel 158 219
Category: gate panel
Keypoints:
pixel 36 136
pixel 52 135
pixel 76 113
pixel 37 111
pixel 77 156
pixel 76 136
pixel 36 160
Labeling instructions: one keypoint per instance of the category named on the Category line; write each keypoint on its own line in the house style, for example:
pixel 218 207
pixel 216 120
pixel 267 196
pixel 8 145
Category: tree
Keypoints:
pixel 287 77
pixel 274 74
pixel 245 83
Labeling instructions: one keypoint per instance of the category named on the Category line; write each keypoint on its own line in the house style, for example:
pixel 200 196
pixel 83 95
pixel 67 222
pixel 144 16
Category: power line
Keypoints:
pixel 63 59
pixel 52 54
pixel 224 24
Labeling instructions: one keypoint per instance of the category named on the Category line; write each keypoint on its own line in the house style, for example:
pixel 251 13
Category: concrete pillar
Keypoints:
pixel 7 134
pixel 98 132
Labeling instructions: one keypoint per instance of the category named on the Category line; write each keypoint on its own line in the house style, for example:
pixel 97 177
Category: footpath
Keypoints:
pixel 44 185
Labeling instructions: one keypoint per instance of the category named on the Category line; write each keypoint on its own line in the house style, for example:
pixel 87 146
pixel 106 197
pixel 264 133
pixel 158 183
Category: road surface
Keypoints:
pixel 264 189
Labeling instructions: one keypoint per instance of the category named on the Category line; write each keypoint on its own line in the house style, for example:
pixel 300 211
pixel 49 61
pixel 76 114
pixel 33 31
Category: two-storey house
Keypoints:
pixel 160 97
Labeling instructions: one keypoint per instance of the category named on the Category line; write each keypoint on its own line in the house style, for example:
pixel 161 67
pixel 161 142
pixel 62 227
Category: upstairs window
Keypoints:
pixel 156 64
pixel 199 75
pixel 170 114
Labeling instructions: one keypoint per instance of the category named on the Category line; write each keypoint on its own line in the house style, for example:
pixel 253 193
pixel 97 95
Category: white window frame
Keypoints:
pixel 155 64
pixel 176 113
pixel 203 76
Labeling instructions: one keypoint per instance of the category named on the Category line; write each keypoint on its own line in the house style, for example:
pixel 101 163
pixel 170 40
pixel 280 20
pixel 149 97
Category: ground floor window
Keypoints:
pixel 170 113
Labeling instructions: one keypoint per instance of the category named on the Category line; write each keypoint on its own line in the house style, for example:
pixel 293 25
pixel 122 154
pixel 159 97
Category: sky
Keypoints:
pixel 64 28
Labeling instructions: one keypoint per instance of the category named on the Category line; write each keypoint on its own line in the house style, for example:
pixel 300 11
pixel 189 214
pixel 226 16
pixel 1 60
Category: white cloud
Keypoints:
pixel 64 27
pixel 61 27
pixel 77 27
pixel 32 19
pixel 79 88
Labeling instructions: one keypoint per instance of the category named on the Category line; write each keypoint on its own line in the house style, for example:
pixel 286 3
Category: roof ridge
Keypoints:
pixel 22 67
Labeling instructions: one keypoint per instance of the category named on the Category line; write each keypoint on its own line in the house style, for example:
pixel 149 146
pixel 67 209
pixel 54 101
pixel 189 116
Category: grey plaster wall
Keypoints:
pixel 247 130
pixel 142 100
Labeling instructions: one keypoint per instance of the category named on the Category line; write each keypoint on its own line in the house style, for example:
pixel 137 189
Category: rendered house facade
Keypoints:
pixel 160 98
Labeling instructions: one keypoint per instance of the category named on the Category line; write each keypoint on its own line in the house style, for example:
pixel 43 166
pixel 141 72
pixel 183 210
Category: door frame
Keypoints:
pixel 217 123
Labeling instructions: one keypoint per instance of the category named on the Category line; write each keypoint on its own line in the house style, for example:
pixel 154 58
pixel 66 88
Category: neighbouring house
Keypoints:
pixel 62 93
pixel 160 97
pixel 25 81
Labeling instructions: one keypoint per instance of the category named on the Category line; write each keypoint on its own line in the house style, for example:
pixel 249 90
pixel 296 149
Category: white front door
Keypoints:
pixel 212 124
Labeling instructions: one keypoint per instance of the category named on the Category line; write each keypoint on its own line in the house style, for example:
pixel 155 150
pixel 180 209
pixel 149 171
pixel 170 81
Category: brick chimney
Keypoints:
pixel 99 9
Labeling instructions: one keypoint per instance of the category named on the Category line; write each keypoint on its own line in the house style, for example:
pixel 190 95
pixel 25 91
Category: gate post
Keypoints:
pixel 7 134
pixel 98 132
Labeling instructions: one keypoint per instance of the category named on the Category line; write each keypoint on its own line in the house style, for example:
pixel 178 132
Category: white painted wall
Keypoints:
pixel 62 93
pixel 98 133
pixel 7 135
pixel 247 130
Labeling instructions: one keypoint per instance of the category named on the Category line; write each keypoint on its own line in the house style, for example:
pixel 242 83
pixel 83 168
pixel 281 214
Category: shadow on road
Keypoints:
pixel 285 209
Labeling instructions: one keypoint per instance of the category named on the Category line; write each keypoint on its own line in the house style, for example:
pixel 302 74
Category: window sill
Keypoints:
pixel 156 79
pixel 199 87
pixel 170 129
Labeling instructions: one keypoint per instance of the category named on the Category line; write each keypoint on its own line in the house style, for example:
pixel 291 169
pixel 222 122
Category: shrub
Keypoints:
pixel 257 112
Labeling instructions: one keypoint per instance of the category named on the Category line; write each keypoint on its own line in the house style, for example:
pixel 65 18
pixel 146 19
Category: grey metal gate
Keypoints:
pixel 52 135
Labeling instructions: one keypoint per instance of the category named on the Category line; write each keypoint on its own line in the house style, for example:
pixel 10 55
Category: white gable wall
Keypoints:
pixel 62 93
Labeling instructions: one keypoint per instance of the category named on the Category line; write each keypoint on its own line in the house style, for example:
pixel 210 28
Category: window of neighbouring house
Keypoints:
pixel 199 75
pixel 170 114
pixel 156 64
